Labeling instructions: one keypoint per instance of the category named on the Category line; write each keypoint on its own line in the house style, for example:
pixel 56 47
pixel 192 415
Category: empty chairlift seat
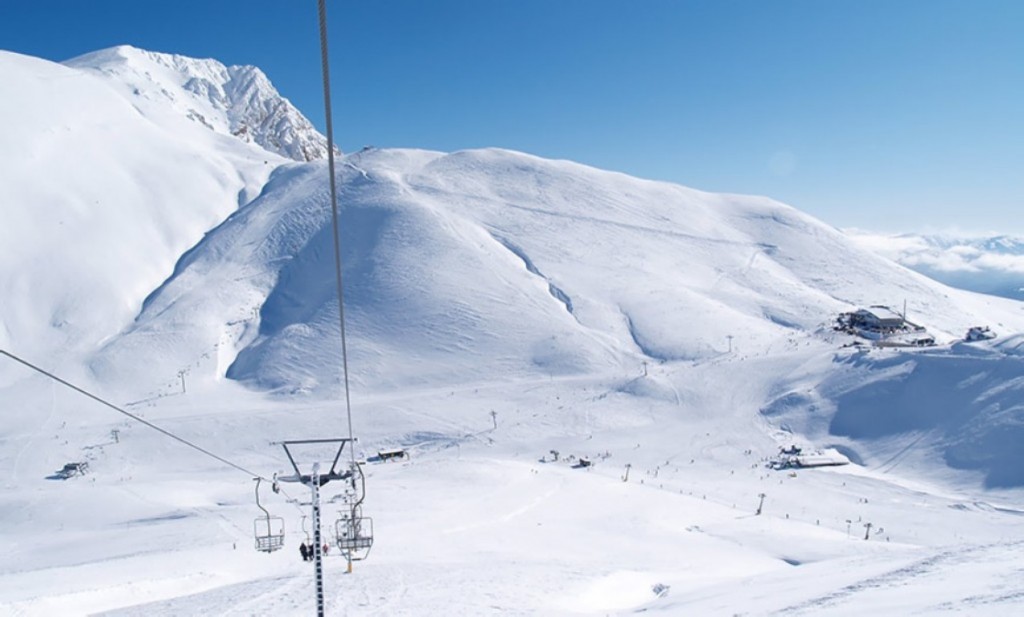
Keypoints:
pixel 268 530
pixel 354 534
pixel 269 533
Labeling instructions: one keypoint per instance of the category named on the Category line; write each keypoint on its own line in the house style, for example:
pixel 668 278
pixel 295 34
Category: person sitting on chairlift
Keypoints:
pixel 305 551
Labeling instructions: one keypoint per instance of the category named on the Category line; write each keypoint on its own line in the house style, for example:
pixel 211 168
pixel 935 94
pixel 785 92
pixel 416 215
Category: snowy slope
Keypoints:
pixel 915 413
pixel 479 264
pixel 102 191
pixel 499 307
pixel 475 524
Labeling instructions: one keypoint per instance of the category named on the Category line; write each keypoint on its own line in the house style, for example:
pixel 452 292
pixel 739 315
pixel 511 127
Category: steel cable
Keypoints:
pixel 131 415
pixel 322 6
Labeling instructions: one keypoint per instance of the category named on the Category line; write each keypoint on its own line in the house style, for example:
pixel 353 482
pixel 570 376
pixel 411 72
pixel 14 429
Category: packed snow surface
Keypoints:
pixel 499 308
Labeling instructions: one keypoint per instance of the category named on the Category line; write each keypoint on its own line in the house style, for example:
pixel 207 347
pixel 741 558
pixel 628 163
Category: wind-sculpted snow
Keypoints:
pixel 429 296
pixel 556 293
pixel 964 403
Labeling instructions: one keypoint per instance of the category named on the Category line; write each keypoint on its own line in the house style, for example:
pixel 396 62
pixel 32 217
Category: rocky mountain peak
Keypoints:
pixel 233 100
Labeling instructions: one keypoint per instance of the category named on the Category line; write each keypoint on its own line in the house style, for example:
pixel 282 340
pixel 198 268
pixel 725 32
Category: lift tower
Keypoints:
pixel 314 481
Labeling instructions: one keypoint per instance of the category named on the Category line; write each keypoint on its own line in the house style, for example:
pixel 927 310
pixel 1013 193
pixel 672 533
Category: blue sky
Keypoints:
pixel 893 115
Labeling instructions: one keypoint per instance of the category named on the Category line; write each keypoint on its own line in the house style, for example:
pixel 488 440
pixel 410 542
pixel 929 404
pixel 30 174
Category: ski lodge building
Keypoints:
pixel 885 327
pixel 878 319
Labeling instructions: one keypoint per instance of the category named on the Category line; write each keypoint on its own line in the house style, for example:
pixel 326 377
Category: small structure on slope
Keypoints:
pixel 70 470
pixel 979 333
pixel 797 458
pixel 390 454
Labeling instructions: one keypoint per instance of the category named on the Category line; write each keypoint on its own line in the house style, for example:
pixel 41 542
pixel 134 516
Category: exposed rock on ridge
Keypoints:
pixel 233 100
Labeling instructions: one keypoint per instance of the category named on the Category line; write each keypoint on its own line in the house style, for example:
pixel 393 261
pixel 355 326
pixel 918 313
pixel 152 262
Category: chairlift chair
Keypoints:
pixel 268 530
pixel 354 534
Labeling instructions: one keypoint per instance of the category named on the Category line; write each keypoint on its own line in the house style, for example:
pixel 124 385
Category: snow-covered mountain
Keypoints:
pixel 111 171
pixel 100 201
pixel 499 307
pixel 478 264
pixel 986 264
pixel 232 100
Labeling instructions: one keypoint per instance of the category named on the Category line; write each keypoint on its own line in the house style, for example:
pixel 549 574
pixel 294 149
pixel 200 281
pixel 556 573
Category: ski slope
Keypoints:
pixel 473 523
pixel 499 307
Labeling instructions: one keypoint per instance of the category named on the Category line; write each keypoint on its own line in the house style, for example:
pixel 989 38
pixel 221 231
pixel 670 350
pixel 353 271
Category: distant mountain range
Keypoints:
pixel 986 264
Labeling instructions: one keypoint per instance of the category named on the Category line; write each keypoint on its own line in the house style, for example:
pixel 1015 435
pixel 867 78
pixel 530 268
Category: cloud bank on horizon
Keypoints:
pixel 986 264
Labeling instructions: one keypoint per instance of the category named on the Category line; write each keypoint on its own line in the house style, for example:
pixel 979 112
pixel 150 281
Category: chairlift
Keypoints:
pixel 268 530
pixel 354 534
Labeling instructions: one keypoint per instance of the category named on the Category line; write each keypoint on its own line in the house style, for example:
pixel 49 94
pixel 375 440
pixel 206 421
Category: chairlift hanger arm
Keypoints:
pixel 258 504
pixel 308 478
pixel 362 494
pixel 337 455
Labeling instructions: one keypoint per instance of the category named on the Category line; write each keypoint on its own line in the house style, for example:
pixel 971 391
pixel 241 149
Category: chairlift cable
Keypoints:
pixel 289 499
pixel 132 416
pixel 322 9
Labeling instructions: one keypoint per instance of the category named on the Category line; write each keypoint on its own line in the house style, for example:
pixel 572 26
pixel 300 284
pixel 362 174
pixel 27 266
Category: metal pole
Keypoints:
pixel 317 543
pixel 352 522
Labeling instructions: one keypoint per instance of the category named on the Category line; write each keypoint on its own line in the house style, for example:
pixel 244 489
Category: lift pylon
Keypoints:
pixel 314 481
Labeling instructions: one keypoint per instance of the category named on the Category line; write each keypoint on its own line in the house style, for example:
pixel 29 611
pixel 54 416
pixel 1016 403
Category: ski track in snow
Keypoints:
pixel 891 578
pixel 900 577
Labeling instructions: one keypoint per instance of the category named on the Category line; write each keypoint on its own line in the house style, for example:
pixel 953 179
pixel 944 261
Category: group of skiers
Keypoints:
pixel 307 550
